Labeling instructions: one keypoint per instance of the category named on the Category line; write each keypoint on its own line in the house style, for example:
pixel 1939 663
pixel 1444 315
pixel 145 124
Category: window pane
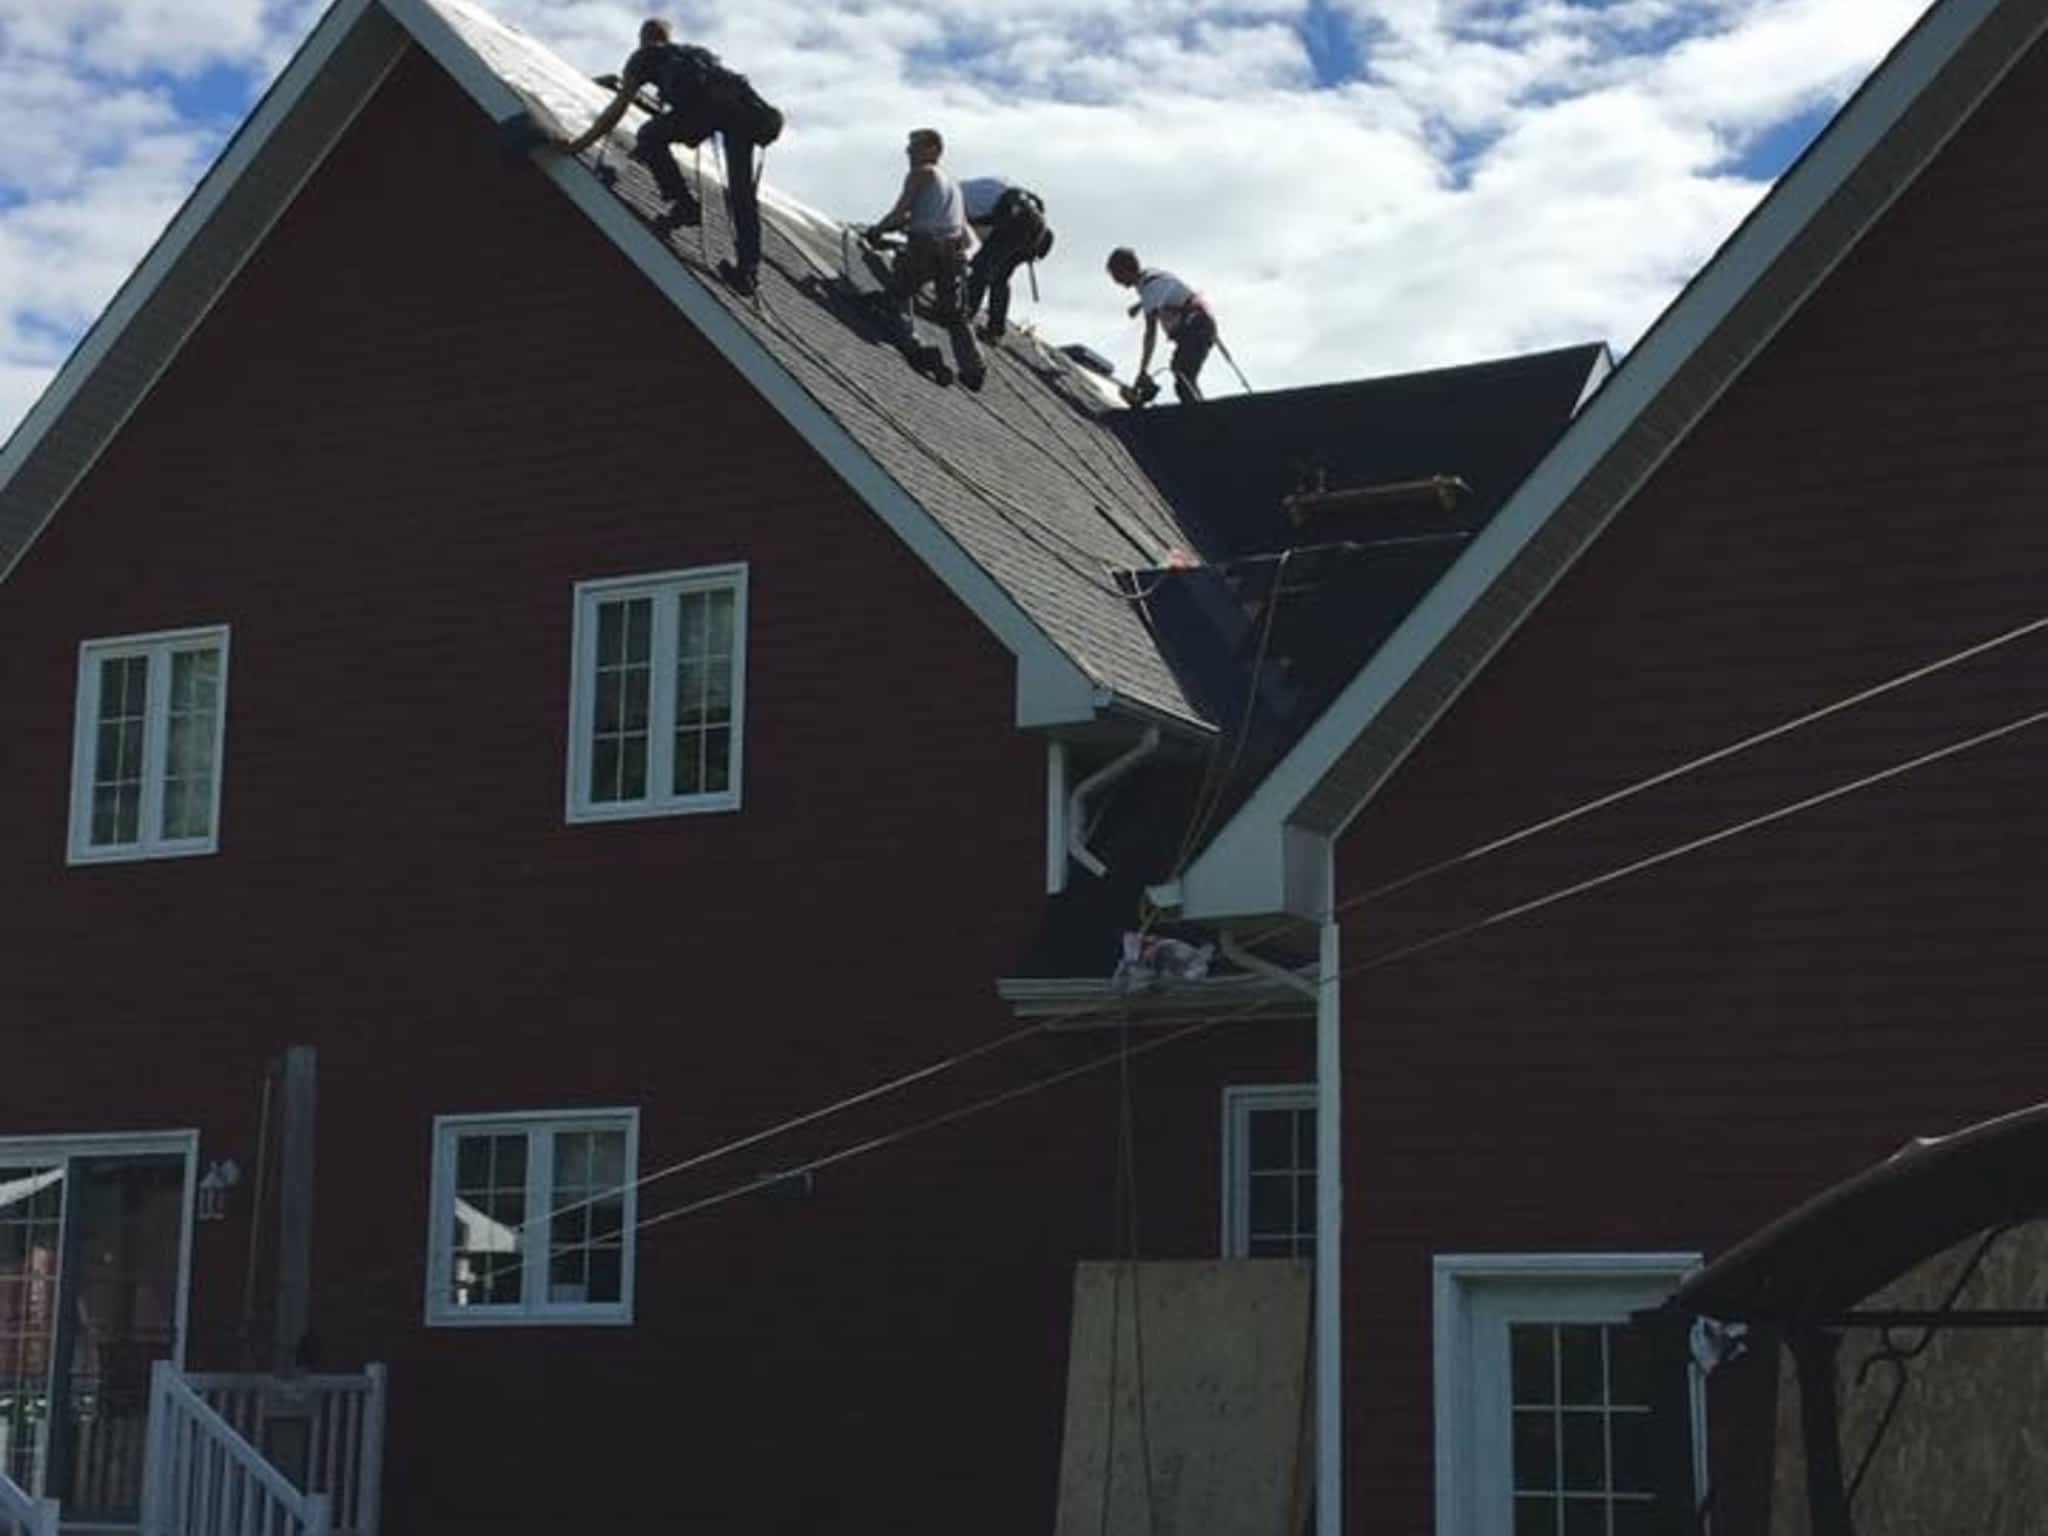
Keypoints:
pixel 689 778
pixel 1582 1366
pixel 488 1265
pixel 1271 1136
pixel 1585 1517
pixel 717 760
pixel 607 1275
pixel 1628 1367
pixel 1535 1517
pixel 1634 1517
pixel 1535 1450
pixel 1305 1138
pixel 584 1260
pixel 117 757
pixel 611 634
pixel 639 629
pixel 1631 1432
pixel 633 768
pixel 1272 1203
pixel 1585 1451
pixel 1531 1370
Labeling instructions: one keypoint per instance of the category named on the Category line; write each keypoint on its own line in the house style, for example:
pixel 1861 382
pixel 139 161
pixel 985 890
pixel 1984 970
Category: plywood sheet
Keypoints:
pixel 1188 1400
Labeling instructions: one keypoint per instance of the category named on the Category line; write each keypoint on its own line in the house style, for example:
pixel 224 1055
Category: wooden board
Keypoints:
pixel 1223 1420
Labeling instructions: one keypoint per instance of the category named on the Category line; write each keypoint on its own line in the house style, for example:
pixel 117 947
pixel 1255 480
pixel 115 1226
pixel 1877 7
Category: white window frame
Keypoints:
pixel 663 587
pixel 534 1309
pixel 158 647
pixel 1476 1294
pixel 1239 1103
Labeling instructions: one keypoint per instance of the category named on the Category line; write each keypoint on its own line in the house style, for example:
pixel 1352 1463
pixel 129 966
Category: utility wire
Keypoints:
pixel 1374 962
pixel 934 1069
pixel 1669 775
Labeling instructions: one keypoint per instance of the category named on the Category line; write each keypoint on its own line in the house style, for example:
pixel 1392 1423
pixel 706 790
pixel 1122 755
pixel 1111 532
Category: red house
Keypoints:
pixel 1680 854
pixel 679 779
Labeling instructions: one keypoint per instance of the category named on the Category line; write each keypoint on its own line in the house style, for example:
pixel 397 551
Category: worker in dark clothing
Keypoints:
pixel 1012 227
pixel 699 97
pixel 933 215
pixel 1172 306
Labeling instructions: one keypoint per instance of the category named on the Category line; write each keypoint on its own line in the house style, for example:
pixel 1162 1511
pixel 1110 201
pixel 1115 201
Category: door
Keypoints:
pixel 92 1250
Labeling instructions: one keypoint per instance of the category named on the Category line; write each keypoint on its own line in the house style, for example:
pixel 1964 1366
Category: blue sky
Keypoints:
pixel 1359 185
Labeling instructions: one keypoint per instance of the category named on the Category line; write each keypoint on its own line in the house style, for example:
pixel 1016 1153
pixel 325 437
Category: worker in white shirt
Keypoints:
pixel 1012 227
pixel 1172 306
pixel 933 215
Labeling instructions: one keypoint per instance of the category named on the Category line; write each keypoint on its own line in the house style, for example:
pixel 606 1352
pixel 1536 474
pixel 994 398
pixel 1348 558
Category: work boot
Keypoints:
pixel 683 213
pixel 737 278
pixel 975 380
pixel 992 334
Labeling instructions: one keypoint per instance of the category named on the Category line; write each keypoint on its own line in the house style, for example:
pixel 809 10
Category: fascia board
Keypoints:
pixel 1244 863
pixel 186 227
pixel 1052 688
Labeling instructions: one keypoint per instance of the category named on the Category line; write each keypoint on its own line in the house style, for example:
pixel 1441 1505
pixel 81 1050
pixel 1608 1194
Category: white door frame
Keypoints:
pixel 181 1144
pixel 1473 1290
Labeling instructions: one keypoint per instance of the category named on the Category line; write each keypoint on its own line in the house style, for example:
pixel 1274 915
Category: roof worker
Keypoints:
pixel 1170 305
pixel 933 213
pixel 699 97
pixel 1012 227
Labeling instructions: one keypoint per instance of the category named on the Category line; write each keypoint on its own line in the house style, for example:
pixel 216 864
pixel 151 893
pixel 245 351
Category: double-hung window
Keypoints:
pixel 532 1218
pixel 658 698
pixel 146 754
pixel 1542 1392
pixel 1269 1172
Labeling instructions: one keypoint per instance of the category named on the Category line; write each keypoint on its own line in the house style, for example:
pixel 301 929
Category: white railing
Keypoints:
pixel 204 1478
pixel 340 1420
pixel 23 1515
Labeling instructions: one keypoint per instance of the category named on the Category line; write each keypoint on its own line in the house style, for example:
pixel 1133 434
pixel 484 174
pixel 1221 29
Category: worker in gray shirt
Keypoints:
pixel 933 215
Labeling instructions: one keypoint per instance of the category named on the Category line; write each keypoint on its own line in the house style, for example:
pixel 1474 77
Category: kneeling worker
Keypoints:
pixel 1012 227
pixel 1173 306
pixel 699 97
pixel 933 215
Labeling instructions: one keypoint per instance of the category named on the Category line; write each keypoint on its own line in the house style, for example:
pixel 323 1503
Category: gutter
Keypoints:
pixel 1093 785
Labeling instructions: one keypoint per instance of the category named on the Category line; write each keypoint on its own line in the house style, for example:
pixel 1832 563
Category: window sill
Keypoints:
pixel 478 1317
pixel 646 810
pixel 141 853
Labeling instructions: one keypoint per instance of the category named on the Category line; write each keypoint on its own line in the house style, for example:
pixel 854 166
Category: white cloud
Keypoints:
pixel 1506 174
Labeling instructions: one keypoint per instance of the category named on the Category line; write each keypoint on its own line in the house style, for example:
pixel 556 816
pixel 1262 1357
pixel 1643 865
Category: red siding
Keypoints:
pixel 1667 1063
pixel 433 402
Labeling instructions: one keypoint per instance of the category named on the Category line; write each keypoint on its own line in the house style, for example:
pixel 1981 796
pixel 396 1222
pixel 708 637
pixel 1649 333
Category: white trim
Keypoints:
pixel 158 648
pixel 534 1309
pixel 1051 687
pixel 1243 870
pixel 1240 1101
pixel 663 589
pixel 1056 858
pixel 163 258
pixel 1580 1286
pixel 1329 1324
pixel 183 1144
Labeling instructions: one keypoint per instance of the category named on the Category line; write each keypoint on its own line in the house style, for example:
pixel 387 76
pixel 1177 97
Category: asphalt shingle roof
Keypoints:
pixel 1026 475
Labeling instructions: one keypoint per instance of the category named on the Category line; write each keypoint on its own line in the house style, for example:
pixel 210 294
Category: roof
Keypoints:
pixel 1259 862
pixel 1847 1243
pixel 1287 611
pixel 1019 497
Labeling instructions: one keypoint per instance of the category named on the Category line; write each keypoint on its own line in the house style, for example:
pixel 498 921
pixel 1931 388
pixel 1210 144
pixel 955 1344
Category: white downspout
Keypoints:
pixel 1088 788
pixel 1329 1323
pixel 1329 1318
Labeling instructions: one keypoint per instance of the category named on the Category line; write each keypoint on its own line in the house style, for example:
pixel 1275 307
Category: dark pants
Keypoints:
pixel 943 264
pixel 654 147
pixel 1013 239
pixel 1191 347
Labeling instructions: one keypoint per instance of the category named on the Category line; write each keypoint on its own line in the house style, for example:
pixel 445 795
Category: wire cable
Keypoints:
pixel 1378 961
